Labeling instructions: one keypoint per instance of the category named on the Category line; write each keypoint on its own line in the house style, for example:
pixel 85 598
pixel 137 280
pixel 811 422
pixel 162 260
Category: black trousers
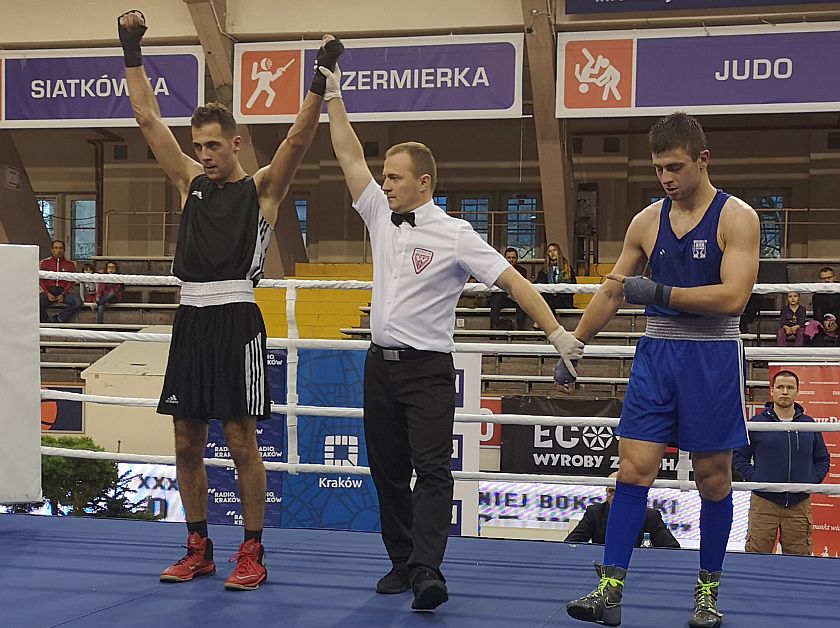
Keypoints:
pixel 559 301
pixel 499 300
pixel 409 414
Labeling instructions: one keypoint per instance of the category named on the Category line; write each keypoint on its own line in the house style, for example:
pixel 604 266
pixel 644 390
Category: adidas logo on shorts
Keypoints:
pixel 172 399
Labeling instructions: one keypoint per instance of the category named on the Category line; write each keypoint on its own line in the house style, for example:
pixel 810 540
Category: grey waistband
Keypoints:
pixel 702 328
pixel 209 293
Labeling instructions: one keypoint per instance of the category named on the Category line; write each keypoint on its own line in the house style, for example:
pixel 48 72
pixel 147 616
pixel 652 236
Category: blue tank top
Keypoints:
pixel 689 261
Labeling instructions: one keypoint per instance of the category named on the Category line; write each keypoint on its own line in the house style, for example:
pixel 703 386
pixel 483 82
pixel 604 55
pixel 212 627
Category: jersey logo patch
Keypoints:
pixel 699 249
pixel 421 259
pixel 197 193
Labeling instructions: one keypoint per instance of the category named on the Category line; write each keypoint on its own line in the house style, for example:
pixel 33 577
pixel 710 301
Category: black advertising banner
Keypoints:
pixel 564 450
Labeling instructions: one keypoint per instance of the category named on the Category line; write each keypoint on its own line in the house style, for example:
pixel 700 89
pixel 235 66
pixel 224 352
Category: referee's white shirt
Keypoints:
pixel 419 272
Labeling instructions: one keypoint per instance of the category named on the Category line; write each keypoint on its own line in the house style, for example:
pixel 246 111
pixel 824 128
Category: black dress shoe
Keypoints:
pixel 429 590
pixel 395 581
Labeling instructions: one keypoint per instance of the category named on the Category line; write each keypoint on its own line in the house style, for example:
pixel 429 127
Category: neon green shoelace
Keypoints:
pixel 705 596
pixel 607 581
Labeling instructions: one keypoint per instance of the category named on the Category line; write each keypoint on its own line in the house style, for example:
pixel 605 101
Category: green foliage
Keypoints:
pixel 75 482
pixel 85 484
pixel 117 503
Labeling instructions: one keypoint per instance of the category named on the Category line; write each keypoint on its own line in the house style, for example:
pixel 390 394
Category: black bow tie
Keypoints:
pixel 398 219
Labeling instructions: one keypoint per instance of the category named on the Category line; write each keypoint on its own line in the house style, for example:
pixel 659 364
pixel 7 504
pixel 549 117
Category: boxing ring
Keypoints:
pixel 69 571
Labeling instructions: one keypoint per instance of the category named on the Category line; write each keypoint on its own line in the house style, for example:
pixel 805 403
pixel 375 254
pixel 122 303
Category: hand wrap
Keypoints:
pixel 130 40
pixel 327 57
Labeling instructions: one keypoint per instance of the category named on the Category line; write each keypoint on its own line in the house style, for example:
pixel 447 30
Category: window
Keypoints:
pixel 772 224
pixel 47 206
pixel 440 201
pixel 476 212
pixel 83 228
pixel 522 224
pixel 302 207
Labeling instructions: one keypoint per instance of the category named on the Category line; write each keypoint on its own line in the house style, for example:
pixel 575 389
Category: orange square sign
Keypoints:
pixel 598 74
pixel 270 82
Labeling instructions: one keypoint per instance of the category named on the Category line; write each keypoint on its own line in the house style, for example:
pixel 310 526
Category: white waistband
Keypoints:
pixel 208 293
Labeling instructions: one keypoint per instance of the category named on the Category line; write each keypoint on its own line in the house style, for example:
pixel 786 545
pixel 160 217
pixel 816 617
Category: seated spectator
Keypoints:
pixel 88 288
pixel 791 323
pixel 823 334
pixel 593 526
pixel 825 302
pixel 54 291
pixel 499 300
pixel 557 270
pixel 107 293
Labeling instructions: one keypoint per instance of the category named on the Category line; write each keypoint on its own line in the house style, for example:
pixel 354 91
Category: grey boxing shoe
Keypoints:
pixel 603 605
pixel 706 613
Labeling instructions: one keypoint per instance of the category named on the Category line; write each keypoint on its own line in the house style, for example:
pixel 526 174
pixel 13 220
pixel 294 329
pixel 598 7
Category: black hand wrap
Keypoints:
pixel 130 41
pixel 327 57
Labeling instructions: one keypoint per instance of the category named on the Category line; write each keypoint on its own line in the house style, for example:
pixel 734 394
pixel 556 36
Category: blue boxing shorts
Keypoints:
pixel 687 390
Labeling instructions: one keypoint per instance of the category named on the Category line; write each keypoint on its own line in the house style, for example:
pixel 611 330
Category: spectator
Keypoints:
pixel 499 300
pixel 107 293
pixel 87 289
pixel 795 457
pixel 825 302
pixel 593 526
pixel 557 270
pixel 823 334
pixel 791 322
pixel 54 291
pixel 750 313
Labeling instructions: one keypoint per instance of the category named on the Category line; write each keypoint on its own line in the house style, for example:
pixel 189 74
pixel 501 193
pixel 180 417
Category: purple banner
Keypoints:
pixel 450 77
pixel 638 6
pixel 738 70
pixel 75 91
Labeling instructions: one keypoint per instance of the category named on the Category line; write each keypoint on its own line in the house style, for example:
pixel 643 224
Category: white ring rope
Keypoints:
pixel 293 410
pixel 479 476
pixel 470 288
pixel 811 354
pixel 460 417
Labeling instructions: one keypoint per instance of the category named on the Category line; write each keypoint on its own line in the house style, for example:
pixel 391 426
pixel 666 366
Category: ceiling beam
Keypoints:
pixel 555 170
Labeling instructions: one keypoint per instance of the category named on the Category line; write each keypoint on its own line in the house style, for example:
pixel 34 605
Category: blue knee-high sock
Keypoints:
pixel 715 524
pixel 627 515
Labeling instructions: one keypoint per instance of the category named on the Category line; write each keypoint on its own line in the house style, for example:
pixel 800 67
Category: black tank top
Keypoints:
pixel 222 235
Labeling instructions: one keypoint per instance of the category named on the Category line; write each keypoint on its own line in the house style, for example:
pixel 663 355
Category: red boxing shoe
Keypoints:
pixel 250 570
pixel 197 562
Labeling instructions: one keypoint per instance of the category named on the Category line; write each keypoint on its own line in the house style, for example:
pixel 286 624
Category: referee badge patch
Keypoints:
pixel 421 258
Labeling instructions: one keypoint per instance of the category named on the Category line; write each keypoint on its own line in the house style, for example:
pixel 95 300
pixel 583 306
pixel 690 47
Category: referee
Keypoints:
pixel 422 259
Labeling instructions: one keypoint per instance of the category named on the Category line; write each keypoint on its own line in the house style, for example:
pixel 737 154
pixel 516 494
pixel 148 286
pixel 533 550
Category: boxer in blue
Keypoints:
pixel 687 381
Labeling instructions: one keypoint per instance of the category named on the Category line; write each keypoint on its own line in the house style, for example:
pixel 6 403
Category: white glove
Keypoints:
pixel 569 347
pixel 333 82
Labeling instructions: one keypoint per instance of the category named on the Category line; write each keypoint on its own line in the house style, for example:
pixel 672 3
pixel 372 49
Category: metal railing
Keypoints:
pixel 165 223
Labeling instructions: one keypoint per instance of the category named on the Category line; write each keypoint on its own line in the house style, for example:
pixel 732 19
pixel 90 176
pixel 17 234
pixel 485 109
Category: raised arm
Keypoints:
pixel 346 145
pixel 179 167
pixel 273 180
